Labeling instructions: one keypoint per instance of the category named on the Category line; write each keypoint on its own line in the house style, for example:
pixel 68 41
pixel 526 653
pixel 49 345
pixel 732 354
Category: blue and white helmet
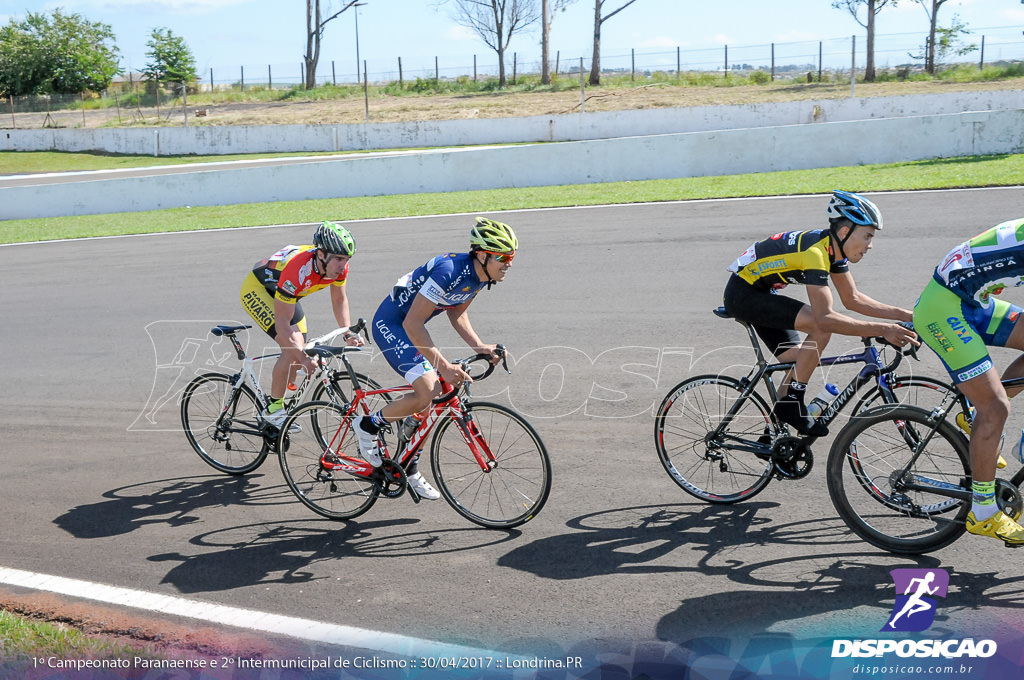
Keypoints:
pixel 853 207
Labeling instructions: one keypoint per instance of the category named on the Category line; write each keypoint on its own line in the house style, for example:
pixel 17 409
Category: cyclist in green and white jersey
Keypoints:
pixel 959 317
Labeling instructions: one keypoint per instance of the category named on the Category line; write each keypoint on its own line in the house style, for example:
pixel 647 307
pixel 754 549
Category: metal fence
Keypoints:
pixel 135 101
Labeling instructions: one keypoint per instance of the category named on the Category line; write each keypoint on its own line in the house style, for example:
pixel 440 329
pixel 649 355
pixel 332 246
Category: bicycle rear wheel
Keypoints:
pixel 708 466
pixel 336 494
pixel 866 464
pixel 229 440
pixel 506 495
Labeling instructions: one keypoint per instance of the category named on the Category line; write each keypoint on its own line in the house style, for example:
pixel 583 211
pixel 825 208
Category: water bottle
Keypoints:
pixel 300 377
pixel 408 426
pixel 822 400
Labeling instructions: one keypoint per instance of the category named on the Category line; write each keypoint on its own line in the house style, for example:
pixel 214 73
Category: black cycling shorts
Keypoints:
pixel 772 316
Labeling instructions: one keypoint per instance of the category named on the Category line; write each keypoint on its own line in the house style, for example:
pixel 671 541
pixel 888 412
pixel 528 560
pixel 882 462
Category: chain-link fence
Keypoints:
pixel 133 102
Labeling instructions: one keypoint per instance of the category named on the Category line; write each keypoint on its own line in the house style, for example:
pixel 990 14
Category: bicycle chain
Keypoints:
pixel 792 457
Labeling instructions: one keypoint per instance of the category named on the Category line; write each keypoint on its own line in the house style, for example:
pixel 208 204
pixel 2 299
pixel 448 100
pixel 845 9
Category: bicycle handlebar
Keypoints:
pixel 502 353
pixel 357 328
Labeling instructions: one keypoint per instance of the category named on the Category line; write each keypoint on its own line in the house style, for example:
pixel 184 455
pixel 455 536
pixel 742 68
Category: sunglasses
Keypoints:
pixel 503 258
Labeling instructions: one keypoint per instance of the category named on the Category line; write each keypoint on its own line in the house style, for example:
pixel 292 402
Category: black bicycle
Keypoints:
pixel 900 477
pixel 718 439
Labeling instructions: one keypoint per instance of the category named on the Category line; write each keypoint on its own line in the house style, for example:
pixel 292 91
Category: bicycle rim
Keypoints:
pixel 867 458
pixel 707 467
pixel 510 493
pixel 335 494
pixel 233 443
pixel 921 391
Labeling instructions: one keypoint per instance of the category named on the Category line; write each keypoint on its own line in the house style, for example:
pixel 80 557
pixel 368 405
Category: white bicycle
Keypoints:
pixel 222 414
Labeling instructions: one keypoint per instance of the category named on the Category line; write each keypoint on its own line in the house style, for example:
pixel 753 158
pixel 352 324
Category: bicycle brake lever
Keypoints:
pixel 503 353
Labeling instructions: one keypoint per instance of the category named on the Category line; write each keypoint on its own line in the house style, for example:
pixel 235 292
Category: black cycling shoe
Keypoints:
pixel 794 413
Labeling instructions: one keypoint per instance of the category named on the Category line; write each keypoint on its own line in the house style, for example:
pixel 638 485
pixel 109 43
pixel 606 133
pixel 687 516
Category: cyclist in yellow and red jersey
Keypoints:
pixel 811 258
pixel 271 294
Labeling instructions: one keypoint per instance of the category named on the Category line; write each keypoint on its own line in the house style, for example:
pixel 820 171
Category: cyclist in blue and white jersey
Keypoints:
pixel 447 283
pixel 958 317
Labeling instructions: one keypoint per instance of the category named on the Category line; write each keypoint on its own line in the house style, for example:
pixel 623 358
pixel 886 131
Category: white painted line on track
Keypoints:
pixel 247 619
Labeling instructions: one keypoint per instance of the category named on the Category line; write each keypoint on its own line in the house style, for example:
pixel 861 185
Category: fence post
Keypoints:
pixel 211 81
pixel 981 64
pixel 437 71
pixel 14 123
pixel 270 80
pixel 853 66
pixel 679 63
pixel 819 61
pixel 243 79
pixel 632 64
pixel 474 68
pixel 366 92
pixel 558 55
pixel 514 65
pixel 401 83
pixel 334 77
pixel 773 62
pixel 583 90
pixel 726 61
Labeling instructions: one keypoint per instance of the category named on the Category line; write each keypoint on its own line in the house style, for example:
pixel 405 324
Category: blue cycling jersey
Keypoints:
pixel 446 280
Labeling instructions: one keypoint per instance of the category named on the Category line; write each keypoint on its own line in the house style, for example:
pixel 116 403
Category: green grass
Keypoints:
pixel 22 639
pixel 999 170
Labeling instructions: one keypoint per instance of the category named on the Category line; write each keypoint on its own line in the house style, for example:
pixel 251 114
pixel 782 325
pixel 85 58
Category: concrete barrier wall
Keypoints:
pixel 209 140
pixel 693 154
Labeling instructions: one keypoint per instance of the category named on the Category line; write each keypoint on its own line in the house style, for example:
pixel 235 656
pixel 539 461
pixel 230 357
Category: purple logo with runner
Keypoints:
pixel 914 609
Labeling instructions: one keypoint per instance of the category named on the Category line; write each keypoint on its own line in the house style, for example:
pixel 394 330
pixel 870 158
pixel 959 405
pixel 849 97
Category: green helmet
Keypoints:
pixel 492 236
pixel 334 239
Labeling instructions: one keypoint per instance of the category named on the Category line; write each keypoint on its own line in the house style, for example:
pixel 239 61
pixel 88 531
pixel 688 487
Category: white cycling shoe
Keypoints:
pixel 422 487
pixel 368 445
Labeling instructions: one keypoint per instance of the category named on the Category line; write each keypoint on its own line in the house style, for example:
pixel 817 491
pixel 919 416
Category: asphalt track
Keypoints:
pixel 605 310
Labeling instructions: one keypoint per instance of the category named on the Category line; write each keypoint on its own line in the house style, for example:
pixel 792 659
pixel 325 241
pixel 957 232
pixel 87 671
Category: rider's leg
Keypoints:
pixel 791 408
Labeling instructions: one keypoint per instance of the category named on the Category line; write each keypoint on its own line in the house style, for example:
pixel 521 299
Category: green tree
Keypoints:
pixel 58 53
pixel 169 58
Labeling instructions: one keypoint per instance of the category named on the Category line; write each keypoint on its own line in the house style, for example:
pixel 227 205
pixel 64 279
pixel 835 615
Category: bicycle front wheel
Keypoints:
pixel 714 466
pixel 342 386
pixel 228 439
pixel 872 461
pixel 315 428
pixel 508 493
pixel 921 391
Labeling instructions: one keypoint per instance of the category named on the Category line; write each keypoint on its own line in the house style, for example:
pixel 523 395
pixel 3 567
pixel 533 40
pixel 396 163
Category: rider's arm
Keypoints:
pixel 459 318
pixel 828 319
pixel 415 325
pixel 339 303
pixel 856 301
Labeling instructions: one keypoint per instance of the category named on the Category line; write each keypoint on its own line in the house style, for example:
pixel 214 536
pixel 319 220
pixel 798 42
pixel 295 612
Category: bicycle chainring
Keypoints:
pixel 1009 499
pixel 792 457
pixel 393 480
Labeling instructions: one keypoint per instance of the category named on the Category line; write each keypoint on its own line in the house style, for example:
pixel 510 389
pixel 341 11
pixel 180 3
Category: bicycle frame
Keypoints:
pixel 918 444
pixel 449 403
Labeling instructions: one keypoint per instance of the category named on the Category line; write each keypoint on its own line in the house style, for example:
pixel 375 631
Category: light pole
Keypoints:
pixel 355 8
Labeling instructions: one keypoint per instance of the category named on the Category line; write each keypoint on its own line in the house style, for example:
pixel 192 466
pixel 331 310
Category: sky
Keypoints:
pixel 227 34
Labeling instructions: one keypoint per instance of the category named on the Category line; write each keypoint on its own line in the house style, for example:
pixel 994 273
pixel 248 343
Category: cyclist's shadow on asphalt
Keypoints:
pixel 727 543
pixel 284 552
pixel 167 501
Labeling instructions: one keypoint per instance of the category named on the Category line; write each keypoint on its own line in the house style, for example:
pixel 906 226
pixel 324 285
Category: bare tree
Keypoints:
pixel 547 12
pixel 496 21
pixel 315 25
pixel 874 7
pixel 595 62
pixel 931 8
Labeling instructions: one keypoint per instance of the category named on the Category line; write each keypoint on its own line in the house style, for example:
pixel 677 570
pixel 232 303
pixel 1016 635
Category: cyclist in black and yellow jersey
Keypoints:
pixel 271 293
pixel 811 258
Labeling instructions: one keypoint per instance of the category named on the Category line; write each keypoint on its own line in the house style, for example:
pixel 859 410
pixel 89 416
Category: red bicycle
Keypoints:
pixel 487 460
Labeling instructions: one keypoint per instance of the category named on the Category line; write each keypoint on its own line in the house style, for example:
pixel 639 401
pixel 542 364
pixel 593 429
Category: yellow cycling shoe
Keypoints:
pixel 1000 463
pixel 997 526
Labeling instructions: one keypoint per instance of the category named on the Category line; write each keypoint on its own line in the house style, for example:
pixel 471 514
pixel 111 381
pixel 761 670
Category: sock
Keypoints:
pixel 275 405
pixel 984 501
pixel 372 423
pixel 796 391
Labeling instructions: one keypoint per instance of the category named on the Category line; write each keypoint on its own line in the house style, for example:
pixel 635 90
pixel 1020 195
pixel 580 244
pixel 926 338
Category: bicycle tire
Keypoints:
pixel 711 470
pixel 920 391
pixel 863 462
pixel 229 440
pixel 509 494
pixel 334 494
